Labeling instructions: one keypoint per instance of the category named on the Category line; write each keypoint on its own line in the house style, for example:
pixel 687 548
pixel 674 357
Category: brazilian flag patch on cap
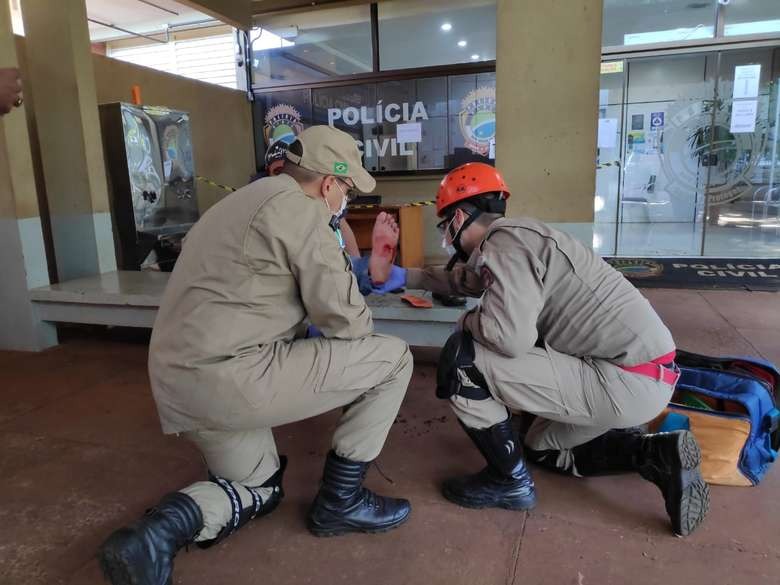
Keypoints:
pixel 340 168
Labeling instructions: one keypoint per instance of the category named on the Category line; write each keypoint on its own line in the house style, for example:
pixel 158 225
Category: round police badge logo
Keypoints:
pixel 701 154
pixel 637 267
pixel 478 119
pixel 282 122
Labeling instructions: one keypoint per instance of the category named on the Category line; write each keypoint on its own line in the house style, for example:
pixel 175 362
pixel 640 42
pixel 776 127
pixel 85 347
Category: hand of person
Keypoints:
pixel 10 89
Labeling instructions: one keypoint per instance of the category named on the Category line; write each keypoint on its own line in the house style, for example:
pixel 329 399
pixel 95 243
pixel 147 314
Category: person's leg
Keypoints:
pixel 245 483
pixel 505 482
pixel 245 480
pixel 368 377
pixel 384 244
pixel 305 378
pixel 528 384
pixel 596 402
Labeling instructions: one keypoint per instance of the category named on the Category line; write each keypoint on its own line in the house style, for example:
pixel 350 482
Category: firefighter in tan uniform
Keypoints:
pixel 227 362
pixel 558 334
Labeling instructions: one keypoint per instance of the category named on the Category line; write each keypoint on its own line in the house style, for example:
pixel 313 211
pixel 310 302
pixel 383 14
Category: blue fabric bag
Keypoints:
pixel 731 407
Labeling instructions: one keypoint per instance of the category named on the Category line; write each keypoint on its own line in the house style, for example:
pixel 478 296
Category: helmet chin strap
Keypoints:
pixel 461 254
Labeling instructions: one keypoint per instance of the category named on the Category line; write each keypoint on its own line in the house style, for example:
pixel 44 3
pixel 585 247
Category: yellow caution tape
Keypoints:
pixel 615 163
pixel 213 184
pixel 375 205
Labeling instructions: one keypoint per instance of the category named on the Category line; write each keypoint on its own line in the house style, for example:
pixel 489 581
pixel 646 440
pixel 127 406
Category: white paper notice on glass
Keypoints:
pixel 743 116
pixel 746 81
pixel 407 133
pixel 167 167
pixel 492 149
pixel 608 128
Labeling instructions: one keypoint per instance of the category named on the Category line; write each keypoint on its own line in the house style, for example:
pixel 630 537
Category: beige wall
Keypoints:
pixel 221 119
pixel 547 80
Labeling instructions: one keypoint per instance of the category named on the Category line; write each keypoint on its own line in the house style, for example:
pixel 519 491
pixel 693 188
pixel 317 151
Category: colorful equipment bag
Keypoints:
pixel 730 405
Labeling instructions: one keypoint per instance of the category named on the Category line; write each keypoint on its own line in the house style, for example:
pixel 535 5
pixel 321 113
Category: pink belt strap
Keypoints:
pixel 655 369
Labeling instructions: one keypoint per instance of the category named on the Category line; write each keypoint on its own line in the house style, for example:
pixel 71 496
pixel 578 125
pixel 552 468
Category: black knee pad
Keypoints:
pixel 239 515
pixel 456 373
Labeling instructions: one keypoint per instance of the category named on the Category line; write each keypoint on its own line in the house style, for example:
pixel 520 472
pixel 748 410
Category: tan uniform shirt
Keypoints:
pixel 252 271
pixel 540 283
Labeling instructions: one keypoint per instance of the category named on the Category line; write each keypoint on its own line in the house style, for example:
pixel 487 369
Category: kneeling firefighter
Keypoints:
pixel 558 334
pixel 228 362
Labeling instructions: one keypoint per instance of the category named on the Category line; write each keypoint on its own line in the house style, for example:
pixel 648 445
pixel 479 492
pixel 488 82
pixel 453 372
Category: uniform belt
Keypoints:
pixel 662 369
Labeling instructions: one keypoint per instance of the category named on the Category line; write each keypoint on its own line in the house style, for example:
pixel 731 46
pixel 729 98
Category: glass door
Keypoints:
pixel 743 194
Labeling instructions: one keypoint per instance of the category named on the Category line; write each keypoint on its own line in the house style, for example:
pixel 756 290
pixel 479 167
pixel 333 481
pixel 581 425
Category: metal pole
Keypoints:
pixel 129 32
pixel 153 5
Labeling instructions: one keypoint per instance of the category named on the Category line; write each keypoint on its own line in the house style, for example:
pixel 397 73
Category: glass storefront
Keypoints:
pixel 435 32
pixel 751 17
pixel 432 123
pixel 688 155
pixel 688 159
pixel 312 46
pixel 632 22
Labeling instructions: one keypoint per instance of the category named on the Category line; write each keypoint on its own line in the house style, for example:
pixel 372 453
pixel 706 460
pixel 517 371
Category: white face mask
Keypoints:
pixel 451 251
pixel 343 202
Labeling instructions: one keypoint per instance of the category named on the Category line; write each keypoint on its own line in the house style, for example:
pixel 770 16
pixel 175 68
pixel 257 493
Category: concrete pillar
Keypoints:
pixel 547 66
pixel 22 255
pixel 59 64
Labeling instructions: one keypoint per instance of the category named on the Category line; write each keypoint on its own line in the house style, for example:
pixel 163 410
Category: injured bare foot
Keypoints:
pixel 384 242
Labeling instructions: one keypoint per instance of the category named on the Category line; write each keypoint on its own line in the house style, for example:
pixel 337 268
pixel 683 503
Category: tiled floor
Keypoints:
pixel 82 453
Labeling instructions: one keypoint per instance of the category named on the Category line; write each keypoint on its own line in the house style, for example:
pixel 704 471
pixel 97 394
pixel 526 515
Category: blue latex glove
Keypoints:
pixel 396 280
pixel 312 331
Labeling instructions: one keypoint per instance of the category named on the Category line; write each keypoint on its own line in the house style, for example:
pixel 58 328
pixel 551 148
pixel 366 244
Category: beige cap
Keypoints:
pixel 328 151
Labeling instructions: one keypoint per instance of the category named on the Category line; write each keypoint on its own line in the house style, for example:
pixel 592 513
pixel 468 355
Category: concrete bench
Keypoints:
pixel 131 299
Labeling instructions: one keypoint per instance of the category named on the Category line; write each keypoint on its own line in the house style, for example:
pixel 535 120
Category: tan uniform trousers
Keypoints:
pixel 368 375
pixel 575 399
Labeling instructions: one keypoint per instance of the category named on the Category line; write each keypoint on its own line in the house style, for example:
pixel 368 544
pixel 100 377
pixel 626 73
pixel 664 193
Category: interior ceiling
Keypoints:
pixel 139 16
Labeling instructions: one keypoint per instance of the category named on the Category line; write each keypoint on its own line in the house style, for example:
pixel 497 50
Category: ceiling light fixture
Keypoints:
pixel 446 27
pixel 475 57
pixel 462 43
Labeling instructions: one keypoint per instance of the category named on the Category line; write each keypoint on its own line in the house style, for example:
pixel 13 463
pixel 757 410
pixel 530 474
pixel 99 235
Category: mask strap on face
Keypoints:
pixel 473 214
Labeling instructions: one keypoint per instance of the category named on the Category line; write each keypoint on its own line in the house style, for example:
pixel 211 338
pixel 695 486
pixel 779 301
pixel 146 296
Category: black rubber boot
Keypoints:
pixel 669 460
pixel 504 483
pixel 343 505
pixel 143 553
pixel 672 462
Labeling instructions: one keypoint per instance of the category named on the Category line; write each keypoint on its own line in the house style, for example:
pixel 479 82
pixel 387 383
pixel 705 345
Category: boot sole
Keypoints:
pixel 480 504
pixel 116 560
pixel 324 531
pixel 691 494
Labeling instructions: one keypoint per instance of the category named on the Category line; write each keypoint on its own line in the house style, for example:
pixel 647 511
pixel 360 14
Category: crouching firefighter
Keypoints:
pixel 558 334
pixel 228 362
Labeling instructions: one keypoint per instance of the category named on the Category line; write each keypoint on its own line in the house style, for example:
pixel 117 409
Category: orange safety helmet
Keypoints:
pixel 468 181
